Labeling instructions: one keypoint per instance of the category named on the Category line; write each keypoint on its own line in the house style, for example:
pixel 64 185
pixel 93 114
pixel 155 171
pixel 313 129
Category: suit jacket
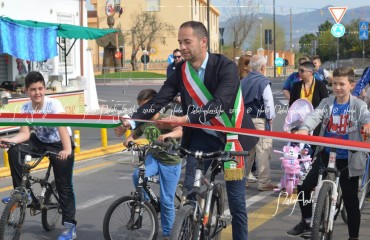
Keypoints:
pixel 222 81
pixel 319 92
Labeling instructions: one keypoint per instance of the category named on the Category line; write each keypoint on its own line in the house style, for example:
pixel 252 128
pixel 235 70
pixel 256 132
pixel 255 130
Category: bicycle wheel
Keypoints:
pixel 51 213
pixel 121 221
pixel 185 227
pixel 321 216
pixel 363 189
pixel 12 218
pixel 215 224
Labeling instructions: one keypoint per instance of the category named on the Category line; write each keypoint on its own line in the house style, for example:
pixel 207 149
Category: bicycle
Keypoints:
pixel 294 168
pixel 131 217
pixel 327 202
pixel 204 218
pixel 363 189
pixel 47 203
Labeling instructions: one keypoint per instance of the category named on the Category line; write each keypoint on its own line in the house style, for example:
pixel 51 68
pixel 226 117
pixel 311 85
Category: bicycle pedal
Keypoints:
pixel 225 219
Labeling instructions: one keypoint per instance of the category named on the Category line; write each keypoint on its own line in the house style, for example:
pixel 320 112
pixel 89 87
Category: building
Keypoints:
pixel 169 11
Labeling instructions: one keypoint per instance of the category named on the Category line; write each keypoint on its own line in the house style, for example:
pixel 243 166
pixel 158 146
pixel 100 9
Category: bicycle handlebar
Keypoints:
pixel 40 156
pixel 208 155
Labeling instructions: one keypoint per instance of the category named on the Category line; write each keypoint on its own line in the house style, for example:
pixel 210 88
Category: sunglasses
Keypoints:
pixel 302 70
pixel 176 56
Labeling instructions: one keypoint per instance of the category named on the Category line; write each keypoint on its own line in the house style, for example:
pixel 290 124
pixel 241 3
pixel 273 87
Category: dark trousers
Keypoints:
pixel 63 171
pixel 349 186
pixel 201 141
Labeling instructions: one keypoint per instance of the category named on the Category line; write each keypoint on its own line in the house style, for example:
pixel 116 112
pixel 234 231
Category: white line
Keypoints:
pixel 250 201
pixel 93 202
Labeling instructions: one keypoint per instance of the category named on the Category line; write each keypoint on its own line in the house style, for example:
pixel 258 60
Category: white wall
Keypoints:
pixel 48 11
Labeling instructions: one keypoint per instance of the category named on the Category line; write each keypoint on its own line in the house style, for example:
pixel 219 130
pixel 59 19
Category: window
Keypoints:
pixel 152 5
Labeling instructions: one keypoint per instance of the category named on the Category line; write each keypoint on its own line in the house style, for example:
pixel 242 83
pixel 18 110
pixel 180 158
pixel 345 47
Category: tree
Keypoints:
pixel 147 28
pixel 240 24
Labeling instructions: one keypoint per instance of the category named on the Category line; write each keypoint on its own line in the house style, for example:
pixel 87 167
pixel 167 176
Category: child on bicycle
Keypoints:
pixel 168 167
pixel 41 139
pixel 342 117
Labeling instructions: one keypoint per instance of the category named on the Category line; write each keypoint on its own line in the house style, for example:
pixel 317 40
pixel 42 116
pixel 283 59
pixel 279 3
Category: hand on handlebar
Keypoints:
pixel 5 142
pixel 64 154
pixel 302 132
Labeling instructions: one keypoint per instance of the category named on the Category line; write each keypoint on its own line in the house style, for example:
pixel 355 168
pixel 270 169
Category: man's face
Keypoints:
pixel 304 73
pixel 317 63
pixel 192 47
pixel 36 92
pixel 177 57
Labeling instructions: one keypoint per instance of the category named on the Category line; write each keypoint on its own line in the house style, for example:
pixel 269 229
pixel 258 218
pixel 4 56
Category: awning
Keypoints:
pixel 66 30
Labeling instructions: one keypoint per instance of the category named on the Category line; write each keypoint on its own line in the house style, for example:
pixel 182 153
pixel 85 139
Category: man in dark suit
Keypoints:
pixel 220 77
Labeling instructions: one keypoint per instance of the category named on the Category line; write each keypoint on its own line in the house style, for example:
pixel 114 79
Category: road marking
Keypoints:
pixel 84 169
pixel 126 177
pixel 6 189
pixel 259 216
pixel 93 202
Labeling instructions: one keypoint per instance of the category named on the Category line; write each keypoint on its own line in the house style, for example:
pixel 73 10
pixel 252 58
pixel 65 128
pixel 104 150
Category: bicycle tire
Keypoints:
pixel 184 227
pixel 118 215
pixel 321 215
pixel 362 193
pixel 50 217
pixel 14 227
pixel 218 205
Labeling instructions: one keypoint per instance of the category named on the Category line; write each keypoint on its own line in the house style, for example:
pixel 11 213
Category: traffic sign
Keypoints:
pixel 145 59
pixel 363 30
pixel 337 13
pixel 279 62
pixel 338 30
pixel 170 58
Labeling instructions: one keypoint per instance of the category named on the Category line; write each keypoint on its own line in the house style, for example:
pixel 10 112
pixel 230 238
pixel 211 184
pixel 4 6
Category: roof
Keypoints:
pixel 66 30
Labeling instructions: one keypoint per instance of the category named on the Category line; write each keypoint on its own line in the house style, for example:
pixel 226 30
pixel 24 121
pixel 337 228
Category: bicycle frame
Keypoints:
pixel 331 172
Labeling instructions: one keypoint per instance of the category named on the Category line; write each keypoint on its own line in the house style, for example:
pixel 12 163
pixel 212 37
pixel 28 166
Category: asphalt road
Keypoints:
pixel 98 182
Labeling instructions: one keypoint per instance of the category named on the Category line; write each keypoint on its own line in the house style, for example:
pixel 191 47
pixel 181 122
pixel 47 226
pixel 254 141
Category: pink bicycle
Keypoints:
pixel 295 168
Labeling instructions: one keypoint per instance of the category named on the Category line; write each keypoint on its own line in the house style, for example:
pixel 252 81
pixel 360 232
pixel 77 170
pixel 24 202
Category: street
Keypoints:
pixel 99 181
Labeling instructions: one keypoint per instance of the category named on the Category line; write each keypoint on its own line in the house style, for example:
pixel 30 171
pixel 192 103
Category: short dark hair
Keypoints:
pixel 345 72
pixel 146 94
pixel 316 57
pixel 33 77
pixel 199 29
pixel 176 50
pixel 309 65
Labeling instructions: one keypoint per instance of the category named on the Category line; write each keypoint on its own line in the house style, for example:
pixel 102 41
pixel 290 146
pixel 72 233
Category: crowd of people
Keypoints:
pixel 201 81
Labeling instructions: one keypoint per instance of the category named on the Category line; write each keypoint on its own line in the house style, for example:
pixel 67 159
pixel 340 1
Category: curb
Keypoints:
pixel 97 152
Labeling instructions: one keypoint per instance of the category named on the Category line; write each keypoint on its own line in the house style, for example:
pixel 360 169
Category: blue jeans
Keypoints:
pixel 201 141
pixel 169 176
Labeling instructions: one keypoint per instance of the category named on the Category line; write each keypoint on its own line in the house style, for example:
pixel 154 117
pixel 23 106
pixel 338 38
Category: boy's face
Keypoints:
pixel 342 87
pixel 36 92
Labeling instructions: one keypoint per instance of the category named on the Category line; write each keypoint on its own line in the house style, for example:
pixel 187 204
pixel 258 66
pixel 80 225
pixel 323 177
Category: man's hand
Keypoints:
pixel 128 139
pixel 366 132
pixel 302 132
pixel 175 121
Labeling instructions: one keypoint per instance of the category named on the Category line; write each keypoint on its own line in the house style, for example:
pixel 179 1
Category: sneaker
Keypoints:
pixel 5 200
pixel 69 232
pixel 301 228
pixel 251 178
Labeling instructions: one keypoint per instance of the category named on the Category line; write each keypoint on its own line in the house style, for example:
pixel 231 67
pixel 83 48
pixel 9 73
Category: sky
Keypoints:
pixel 284 6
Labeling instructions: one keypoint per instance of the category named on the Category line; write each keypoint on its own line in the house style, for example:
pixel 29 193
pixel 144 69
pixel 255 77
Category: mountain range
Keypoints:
pixel 304 23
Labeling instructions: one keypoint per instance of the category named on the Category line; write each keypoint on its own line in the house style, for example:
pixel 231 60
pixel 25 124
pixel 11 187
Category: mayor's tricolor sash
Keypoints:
pixel 200 94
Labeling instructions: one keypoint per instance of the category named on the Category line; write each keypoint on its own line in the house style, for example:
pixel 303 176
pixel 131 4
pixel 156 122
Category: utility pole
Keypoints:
pixel 260 18
pixel 291 31
pixel 208 27
pixel 274 40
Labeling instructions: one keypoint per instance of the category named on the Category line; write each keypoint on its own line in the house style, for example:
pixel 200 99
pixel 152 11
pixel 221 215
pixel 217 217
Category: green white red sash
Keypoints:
pixel 200 94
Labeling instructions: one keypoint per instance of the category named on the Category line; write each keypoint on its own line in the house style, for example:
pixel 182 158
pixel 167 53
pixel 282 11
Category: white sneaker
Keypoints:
pixel 251 178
